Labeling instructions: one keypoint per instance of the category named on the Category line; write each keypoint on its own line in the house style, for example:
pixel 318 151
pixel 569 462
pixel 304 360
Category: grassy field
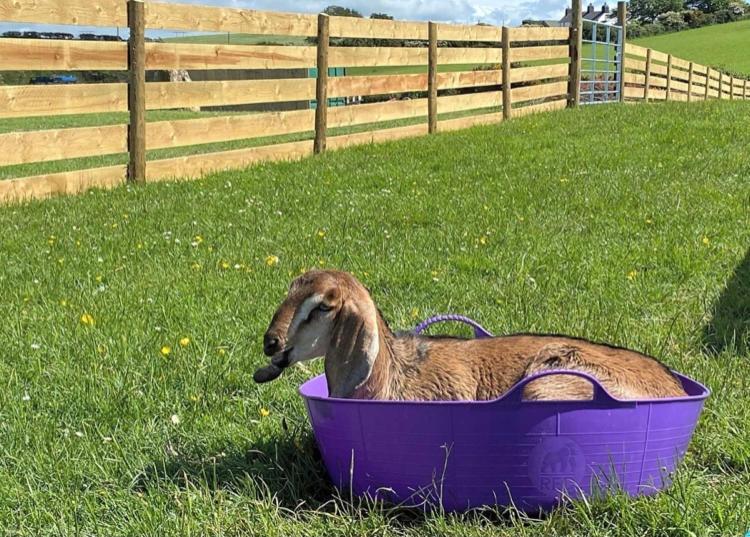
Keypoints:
pixel 133 318
pixel 723 46
pixel 412 69
pixel 248 39
pixel 92 120
pixel 239 39
pixel 38 168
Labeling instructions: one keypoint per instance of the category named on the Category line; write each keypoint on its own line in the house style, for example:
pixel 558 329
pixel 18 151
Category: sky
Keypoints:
pixel 497 12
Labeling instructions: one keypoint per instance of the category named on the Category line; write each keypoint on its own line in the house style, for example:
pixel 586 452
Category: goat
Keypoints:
pixel 330 313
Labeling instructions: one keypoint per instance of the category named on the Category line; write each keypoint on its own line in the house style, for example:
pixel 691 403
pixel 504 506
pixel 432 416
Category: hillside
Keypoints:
pixel 724 46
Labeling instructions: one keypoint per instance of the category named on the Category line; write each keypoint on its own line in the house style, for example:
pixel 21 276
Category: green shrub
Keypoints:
pixel 645 30
pixel 672 21
pixel 696 19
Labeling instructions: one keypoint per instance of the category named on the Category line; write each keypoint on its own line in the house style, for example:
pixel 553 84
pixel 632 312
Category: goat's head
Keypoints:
pixel 325 313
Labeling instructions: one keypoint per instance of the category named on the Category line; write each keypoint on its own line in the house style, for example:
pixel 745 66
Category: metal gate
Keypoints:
pixel 601 62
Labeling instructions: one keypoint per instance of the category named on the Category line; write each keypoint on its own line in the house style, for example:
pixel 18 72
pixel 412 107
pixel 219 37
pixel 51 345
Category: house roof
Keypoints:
pixel 603 15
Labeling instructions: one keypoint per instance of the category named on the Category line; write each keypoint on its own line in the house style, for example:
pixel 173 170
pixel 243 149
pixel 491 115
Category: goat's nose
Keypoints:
pixel 271 345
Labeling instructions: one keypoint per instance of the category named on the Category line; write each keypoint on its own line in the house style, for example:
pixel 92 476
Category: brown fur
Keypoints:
pixel 409 367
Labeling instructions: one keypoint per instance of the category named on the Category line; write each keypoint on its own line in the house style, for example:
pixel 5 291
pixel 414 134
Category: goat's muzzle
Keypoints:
pixel 273 370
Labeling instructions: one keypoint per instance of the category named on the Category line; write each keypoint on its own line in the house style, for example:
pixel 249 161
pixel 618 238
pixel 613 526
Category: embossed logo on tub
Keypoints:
pixel 555 465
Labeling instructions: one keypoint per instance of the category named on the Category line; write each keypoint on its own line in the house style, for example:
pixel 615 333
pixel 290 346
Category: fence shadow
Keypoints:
pixel 730 320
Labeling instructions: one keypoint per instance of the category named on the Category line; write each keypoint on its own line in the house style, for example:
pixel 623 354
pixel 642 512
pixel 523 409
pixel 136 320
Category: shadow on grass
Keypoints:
pixel 289 469
pixel 729 327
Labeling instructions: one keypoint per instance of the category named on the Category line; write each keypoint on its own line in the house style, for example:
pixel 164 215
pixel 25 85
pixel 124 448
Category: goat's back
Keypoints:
pixel 485 368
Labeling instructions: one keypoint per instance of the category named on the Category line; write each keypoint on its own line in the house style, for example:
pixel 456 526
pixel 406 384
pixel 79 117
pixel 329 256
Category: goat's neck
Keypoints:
pixel 386 379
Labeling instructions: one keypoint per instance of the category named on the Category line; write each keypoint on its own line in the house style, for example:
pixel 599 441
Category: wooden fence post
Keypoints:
pixel 622 15
pixel 690 82
pixel 321 85
pixel 432 78
pixel 731 87
pixel 647 82
pixel 136 92
pixel 744 91
pixel 574 47
pixel 724 86
pixel 507 104
pixel 669 76
pixel 706 96
pixel 721 85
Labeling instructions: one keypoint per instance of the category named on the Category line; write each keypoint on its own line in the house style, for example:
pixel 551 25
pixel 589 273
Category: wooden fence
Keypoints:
pixel 651 75
pixel 484 74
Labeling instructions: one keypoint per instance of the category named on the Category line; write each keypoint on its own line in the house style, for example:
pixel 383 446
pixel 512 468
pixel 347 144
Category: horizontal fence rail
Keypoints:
pixel 651 75
pixel 380 80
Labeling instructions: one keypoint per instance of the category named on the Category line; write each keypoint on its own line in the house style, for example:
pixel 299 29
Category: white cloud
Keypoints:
pixel 468 11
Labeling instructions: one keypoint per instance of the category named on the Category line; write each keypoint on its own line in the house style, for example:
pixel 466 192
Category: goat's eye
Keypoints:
pixel 321 308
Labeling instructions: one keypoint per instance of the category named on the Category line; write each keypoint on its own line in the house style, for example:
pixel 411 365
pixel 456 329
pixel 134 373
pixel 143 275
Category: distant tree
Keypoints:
pixel 339 11
pixel 708 6
pixel 384 16
pixel 672 21
pixel 649 10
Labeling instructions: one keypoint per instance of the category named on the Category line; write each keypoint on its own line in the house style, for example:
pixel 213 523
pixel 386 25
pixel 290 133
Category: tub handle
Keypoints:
pixel 479 330
pixel 601 395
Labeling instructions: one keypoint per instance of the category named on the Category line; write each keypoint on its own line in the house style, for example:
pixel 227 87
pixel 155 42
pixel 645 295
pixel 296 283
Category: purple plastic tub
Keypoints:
pixel 458 455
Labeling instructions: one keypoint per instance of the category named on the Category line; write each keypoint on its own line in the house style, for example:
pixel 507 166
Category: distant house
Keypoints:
pixel 603 15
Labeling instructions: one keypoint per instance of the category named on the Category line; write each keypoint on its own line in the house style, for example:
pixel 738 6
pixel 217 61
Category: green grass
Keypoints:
pixel 92 120
pixel 601 52
pixel 722 46
pixel 114 118
pixel 596 236
pixel 410 69
pixel 239 39
pixel 56 166
pixel 250 39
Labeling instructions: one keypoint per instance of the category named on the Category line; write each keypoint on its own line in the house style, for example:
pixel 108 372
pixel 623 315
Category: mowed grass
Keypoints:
pixel 627 224
pixel 99 119
pixel 415 69
pixel 250 39
pixel 56 166
pixel 723 46
pixel 239 39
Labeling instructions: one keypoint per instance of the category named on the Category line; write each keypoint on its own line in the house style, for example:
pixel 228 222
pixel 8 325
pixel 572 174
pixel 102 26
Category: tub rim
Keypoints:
pixel 689 384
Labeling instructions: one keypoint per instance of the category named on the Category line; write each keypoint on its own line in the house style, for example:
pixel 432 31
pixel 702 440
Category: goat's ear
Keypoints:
pixel 333 295
pixel 354 347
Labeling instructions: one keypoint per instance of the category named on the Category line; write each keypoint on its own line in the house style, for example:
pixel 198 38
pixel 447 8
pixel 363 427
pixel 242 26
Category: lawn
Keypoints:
pixel 250 39
pixel 80 120
pixel 239 39
pixel 722 46
pixel 134 317
pixel 414 69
